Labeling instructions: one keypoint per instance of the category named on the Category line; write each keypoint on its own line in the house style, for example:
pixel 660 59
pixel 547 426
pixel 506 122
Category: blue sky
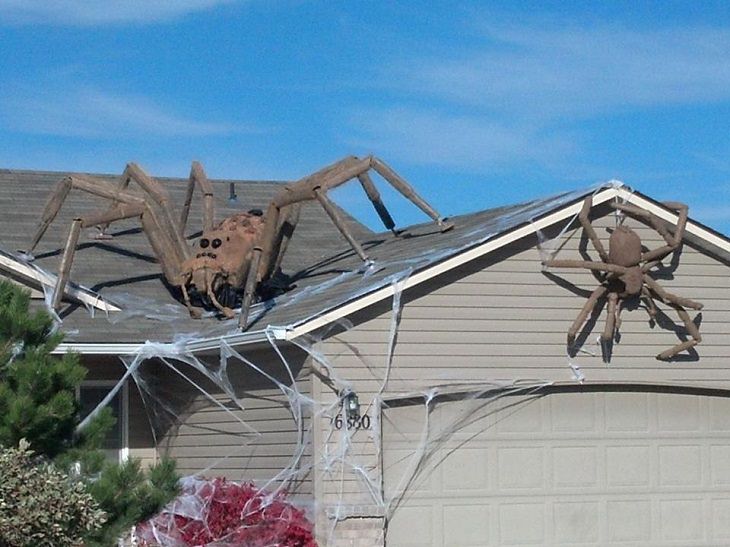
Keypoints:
pixel 477 104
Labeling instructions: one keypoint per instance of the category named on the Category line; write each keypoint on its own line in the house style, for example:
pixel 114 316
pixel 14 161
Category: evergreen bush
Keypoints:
pixel 41 506
pixel 38 403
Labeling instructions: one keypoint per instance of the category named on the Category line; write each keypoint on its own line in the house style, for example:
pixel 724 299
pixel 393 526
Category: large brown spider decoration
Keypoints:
pixel 626 273
pixel 234 258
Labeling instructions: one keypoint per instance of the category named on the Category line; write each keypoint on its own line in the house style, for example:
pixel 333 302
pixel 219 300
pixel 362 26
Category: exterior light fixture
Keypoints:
pixel 352 405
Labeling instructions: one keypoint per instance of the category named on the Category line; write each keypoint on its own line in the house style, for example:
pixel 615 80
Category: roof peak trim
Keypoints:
pixel 34 277
pixel 612 189
pixel 605 193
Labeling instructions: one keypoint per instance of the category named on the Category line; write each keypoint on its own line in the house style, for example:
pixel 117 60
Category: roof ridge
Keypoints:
pixel 13 171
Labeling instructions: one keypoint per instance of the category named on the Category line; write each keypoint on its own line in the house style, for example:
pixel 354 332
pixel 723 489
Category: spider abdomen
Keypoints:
pixel 624 247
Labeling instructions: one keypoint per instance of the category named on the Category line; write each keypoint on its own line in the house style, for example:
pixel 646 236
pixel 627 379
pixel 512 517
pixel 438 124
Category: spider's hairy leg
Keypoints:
pixel 670 298
pixel 649 265
pixel 587 264
pixel 53 205
pixel 682 216
pixel 122 186
pixel 672 241
pixel 286 230
pixel 619 309
pixel 654 220
pixel 66 262
pixel 400 184
pixel 588 227
pixel 666 355
pixel 693 331
pixel 301 190
pixel 228 312
pixel 159 200
pixel 121 211
pixel 250 287
pixel 650 305
pixel 85 184
pixel 583 315
pixel 267 242
pixel 127 206
pixel 609 330
pixel 339 222
pixel 374 196
pixel 170 261
pixel 157 204
pixel 200 179
pixel 195 313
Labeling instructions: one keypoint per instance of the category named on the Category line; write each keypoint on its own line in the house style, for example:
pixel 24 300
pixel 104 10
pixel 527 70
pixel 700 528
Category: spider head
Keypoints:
pixel 204 280
pixel 220 259
pixel 632 281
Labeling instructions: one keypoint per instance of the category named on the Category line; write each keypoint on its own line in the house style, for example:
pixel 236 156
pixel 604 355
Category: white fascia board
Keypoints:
pixel 451 263
pixel 289 333
pixel 603 196
pixel 237 339
pixel 195 346
pixel 97 348
pixel 88 297
pixel 663 213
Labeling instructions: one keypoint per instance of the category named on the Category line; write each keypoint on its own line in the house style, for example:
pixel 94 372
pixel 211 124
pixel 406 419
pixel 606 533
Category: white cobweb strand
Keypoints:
pixel 336 458
pixel 339 456
pixel 477 403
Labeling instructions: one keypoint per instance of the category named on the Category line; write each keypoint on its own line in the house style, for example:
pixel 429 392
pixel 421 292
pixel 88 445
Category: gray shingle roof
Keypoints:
pixel 327 273
pixel 124 269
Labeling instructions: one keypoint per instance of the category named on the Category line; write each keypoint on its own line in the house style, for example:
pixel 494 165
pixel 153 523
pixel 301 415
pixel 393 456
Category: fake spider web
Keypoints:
pixel 239 412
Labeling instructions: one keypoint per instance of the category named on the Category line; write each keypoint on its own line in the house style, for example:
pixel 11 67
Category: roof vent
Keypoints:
pixel 232 197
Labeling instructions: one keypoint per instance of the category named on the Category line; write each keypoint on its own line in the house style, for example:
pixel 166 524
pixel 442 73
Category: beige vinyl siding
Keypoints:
pixel 500 319
pixel 208 436
pixel 217 437
pixel 501 313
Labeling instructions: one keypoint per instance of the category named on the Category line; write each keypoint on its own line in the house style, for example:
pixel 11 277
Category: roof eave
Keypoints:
pixel 295 330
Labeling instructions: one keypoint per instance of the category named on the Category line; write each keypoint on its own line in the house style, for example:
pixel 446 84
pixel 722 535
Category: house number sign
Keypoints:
pixel 353 422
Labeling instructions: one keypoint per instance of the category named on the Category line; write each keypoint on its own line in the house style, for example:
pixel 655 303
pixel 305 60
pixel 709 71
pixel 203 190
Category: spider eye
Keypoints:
pixel 204 243
pixel 216 243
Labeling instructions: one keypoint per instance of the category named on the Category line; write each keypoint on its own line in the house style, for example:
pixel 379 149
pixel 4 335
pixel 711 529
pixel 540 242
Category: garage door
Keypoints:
pixel 568 468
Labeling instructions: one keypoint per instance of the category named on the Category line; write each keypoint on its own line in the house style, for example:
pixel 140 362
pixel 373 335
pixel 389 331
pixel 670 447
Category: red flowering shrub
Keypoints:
pixel 227 513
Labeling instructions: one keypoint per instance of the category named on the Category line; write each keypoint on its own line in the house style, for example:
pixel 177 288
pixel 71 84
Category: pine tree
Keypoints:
pixel 38 403
pixel 37 390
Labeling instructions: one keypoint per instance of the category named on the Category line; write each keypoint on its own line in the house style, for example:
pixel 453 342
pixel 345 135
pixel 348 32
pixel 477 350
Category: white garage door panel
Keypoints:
pixel 570 468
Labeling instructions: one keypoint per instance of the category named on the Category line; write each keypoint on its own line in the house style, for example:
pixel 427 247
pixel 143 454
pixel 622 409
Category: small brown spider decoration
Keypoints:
pixel 626 273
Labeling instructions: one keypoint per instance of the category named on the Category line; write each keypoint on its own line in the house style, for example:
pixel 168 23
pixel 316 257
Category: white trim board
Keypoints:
pixel 450 263
pixel 290 333
pixel 74 292
pixel 501 241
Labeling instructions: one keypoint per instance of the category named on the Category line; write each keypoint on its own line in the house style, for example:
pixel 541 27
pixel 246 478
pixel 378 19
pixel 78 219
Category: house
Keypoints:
pixel 429 398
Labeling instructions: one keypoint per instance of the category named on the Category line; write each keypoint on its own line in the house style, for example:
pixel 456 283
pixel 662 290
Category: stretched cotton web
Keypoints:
pixel 277 407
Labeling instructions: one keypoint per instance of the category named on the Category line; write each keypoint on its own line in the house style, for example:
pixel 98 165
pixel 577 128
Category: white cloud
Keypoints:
pixel 98 12
pixel 83 111
pixel 519 94
pixel 429 137
pixel 533 71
